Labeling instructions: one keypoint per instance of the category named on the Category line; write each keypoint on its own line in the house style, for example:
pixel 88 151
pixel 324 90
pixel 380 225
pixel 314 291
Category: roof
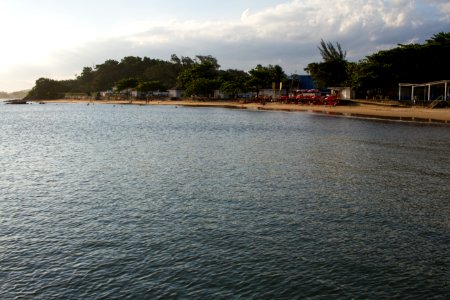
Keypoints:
pixel 425 84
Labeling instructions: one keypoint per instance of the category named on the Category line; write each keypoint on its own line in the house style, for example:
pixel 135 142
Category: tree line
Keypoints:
pixel 376 74
pixel 379 74
pixel 13 95
pixel 197 76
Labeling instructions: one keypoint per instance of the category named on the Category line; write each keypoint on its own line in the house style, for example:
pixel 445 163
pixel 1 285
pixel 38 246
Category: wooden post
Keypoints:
pixel 446 90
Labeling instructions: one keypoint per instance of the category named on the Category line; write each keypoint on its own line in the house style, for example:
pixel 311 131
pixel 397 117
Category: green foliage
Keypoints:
pixel 441 38
pixel 277 74
pixel 128 83
pixel 85 80
pixel 333 71
pixel 262 77
pixel 234 82
pixel 380 73
pixel 259 78
pixel 201 77
pixel 150 86
pixel 203 87
pixel 47 89
pixel 330 53
pixel 163 72
pixel 14 95
pixel 207 60
pixel 144 74
pixel 104 76
pixel 175 60
pixel 232 88
pixel 328 74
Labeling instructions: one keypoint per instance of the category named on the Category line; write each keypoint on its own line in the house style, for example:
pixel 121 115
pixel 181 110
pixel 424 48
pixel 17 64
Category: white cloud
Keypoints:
pixel 337 18
pixel 287 34
pixel 290 31
pixel 442 5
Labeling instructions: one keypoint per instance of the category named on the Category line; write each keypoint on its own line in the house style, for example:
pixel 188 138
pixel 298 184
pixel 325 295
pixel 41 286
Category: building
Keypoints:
pixel 436 90
pixel 301 82
pixel 344 92
pixel 176 92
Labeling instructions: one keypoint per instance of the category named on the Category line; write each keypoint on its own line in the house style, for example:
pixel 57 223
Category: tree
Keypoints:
pixel 132 66
pixel 277 73
pixel 330 53
pixel 85 80
pixel 128 83
pixel 164 72
pixel 203 87
pixel 207 59
pixel 186 61
pixel 200 78
pixel 262 77
pixel 106 74
pixel 47 89
pixel 259 78
pixel 150 86
pixel 234 82
pixel 380 72
pixel 333 70
pixel 441 38
pixel 175 60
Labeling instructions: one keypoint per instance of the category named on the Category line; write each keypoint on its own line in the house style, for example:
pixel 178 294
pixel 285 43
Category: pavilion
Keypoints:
pixel 424 91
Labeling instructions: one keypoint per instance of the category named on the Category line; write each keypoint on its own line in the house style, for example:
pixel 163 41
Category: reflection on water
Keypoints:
pixel 128 201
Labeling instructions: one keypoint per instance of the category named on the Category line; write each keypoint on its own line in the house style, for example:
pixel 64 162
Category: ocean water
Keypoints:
pixel 148 202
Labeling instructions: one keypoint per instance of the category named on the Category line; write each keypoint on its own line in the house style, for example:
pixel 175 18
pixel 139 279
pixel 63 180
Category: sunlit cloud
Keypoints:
pixel 443 6
pixel 286 33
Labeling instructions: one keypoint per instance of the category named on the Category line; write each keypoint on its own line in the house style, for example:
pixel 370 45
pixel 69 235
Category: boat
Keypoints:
pixel 16 101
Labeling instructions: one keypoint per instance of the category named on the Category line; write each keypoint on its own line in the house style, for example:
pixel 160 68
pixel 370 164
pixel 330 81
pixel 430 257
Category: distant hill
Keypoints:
pixel 14 95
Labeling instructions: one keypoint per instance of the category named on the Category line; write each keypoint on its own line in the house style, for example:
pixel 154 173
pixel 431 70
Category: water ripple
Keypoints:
pixel 155 202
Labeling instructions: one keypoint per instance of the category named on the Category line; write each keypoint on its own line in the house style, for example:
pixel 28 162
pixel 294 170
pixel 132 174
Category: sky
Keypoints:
pixel 57 38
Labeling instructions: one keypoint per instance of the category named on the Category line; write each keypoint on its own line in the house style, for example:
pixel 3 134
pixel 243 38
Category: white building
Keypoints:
pixel 175 93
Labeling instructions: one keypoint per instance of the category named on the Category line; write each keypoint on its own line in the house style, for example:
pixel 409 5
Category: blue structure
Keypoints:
pixel 302 82
pixel 306 82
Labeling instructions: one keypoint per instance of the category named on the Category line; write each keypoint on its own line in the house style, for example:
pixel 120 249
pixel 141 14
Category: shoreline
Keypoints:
pixel 407 114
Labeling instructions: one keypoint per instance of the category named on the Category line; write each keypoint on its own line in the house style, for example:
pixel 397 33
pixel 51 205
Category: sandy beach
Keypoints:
pixel 414 114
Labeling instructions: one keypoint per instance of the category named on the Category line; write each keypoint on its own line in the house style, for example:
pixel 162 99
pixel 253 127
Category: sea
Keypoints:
pixel 170 202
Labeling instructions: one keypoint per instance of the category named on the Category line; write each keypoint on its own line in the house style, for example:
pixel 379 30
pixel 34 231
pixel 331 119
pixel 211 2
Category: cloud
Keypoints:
pixel 291 31
pixel 286 34
pixel 443 6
